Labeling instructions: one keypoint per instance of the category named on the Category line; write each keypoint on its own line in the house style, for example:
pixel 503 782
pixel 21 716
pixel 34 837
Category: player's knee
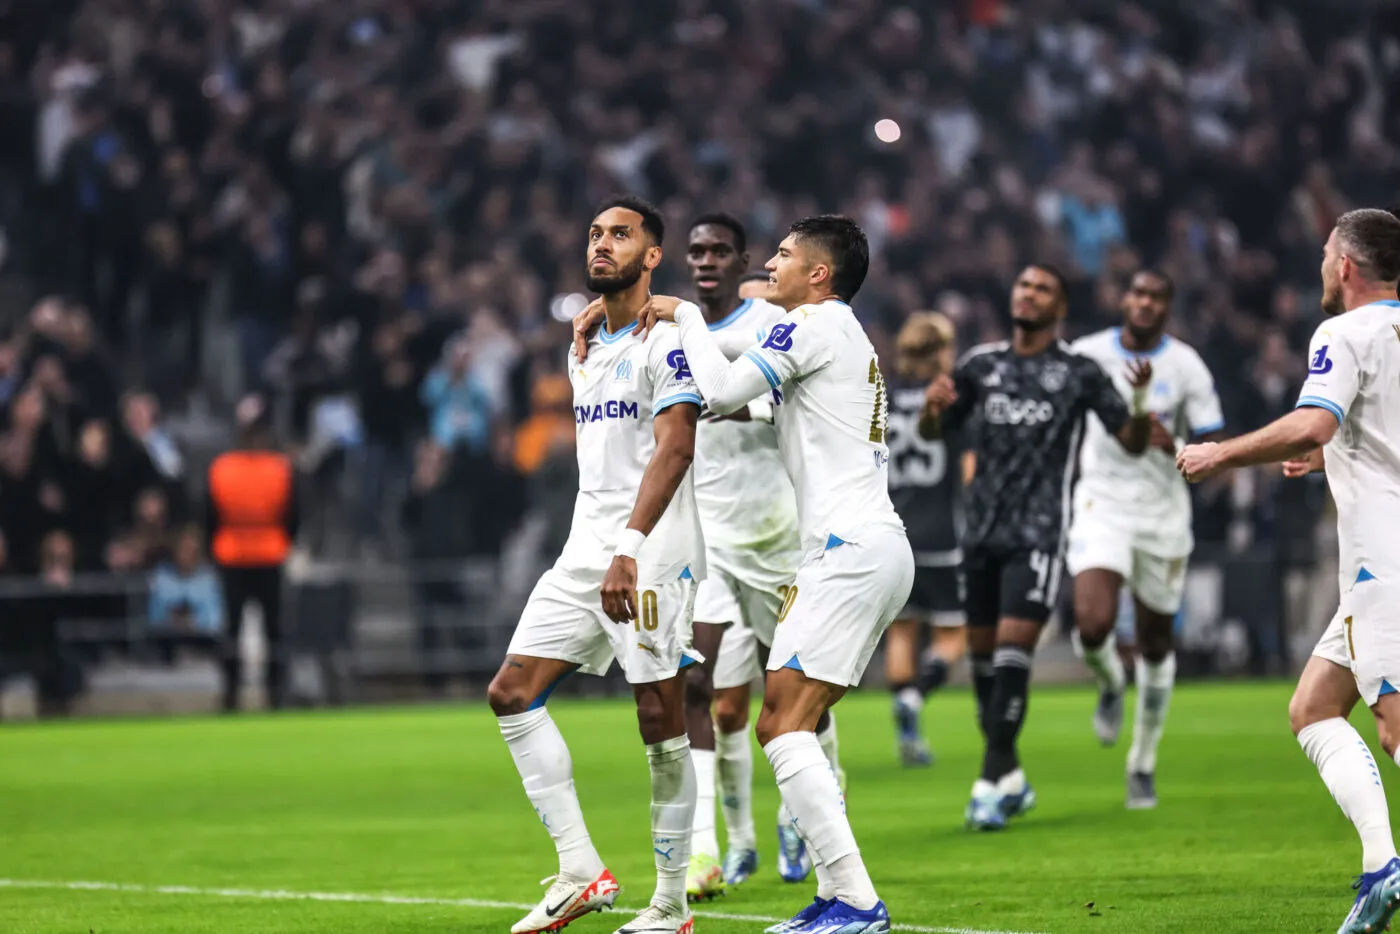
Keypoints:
pixel 507 698
pixel 1094 618
pixel 731 713
pixel 1155 646
pixel 653 719
pixel 1389 736
pixel 1304 711
pixel 769 726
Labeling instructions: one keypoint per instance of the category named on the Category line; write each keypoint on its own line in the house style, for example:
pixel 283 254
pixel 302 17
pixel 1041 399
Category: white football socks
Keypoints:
pixel 812 795
pixel 1103 662
pixel 1154 696
pixel 542 758
pixel 672 814
pixel 735 767
pixel 1349 771
pixel 827 738
pixel 703 840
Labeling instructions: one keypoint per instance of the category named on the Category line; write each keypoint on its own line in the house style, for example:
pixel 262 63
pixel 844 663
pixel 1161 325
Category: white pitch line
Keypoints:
pixel 367 898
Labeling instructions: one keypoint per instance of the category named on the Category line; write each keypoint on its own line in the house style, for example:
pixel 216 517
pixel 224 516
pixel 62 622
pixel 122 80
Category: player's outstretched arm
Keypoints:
pixel 1292 436
pixel 674 429
pixel 726 386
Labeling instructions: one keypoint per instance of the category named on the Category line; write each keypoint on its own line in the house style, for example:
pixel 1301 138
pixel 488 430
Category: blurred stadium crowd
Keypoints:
pixel 379 204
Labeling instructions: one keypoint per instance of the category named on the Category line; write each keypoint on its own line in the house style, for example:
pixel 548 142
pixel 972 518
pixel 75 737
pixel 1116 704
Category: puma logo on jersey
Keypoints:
pixel 649 649
pixel 610 410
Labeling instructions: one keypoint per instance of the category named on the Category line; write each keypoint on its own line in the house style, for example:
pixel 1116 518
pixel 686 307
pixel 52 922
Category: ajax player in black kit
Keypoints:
pixel 1032 394
pixel 926 481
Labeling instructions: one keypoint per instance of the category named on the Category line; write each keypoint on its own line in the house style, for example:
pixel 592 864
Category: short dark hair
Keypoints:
pixel 844 242
pixel 758 275
pixel 1156 273
pixel 1371 237
pixel 727 221
pixel 1056 274
pixel 652 224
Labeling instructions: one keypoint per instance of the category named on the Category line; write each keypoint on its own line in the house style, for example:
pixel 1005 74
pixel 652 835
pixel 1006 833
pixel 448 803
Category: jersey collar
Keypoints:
pixel 609 337
pixel 1118 342
pixel 733 316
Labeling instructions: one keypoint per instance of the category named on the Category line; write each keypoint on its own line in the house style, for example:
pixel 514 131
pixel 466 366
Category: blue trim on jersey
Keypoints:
pixel 733 316
pixel 1118 342
pixel 1317 402
pixel 1387 688
pixel 609 337
pixel 1207 429
pixel 833 542
pixel 765 368
pixel 539 701
pixel 678 398
pixel 794 664
pixel 1364 576
pixel 1388 302
pixel 686 575
pixel 687 661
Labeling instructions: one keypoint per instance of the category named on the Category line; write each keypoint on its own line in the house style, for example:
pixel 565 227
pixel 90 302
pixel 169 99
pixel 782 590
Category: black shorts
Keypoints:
pixel 1021 584
pixel 936 597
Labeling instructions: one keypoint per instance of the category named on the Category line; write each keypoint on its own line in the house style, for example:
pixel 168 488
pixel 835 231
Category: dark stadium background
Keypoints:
pixel 330 202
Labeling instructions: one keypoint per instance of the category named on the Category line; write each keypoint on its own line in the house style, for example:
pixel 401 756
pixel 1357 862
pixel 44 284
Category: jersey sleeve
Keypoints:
pixel 1103 398
pixel 725 386
pixel 1203 412
pixel 1334 372
pixel 671 380
pixel 795 346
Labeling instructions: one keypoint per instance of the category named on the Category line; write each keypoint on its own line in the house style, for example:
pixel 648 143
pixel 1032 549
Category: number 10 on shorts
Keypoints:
pixel 646 612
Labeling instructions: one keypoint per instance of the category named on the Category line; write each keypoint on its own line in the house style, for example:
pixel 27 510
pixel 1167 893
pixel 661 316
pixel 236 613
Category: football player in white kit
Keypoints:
pixel 857 568
pixel 1132 521
pixel 749 516
pixel 1348 421
pixel 623 588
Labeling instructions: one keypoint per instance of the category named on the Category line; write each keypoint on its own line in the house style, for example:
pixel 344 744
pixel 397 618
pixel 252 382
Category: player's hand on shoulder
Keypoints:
pixel 620 590
pixel 940 394
pixel 1199 462
pixel 657 308
pixel 585 323
pixel 1139 372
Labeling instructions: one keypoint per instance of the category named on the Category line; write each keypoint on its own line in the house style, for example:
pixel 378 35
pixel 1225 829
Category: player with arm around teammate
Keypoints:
pixel 622 589
pixel 821 370
pixel 926 481
pixel 1132 521
pixel 1033 395
pixel 1349 406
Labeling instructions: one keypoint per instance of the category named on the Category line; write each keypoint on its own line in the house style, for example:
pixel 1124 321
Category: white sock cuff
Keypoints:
pixel 669 750
pixel 516 726
pixel 726 744
pixel 1159 674
pixel 792 753
pixel 1310 736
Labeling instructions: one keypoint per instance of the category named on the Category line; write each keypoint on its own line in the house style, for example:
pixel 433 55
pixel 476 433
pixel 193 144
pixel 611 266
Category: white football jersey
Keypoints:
pixel 1354 373
pixel 831 413
pixel 1147 491
pixel 741 486
pixel 617 390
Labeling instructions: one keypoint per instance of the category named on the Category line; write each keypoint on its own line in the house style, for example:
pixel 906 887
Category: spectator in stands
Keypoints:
pixel 186 597
pixel 458 403
pixel 254 515
pixel 149 437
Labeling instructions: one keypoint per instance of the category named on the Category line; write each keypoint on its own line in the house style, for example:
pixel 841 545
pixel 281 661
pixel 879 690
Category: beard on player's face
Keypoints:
pixel 1332 303
pixel 620 279
pixel 1033 322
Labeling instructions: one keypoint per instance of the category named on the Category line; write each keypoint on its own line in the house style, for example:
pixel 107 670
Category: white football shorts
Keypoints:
pixel 1095 542
pixel 1364 636
pixel 564 619
pixel 841 602
pixel 746 589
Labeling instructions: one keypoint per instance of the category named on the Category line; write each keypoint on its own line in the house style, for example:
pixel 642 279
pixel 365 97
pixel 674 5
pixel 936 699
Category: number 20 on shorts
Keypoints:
pixel 788 594
pixel 647 616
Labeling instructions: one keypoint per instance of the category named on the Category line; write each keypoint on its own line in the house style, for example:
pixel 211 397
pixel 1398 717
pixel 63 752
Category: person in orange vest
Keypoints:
pixel 252 518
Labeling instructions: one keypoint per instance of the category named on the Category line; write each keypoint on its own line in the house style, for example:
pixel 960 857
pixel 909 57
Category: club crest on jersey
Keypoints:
pixel 623 373
pixel 676 361
pixel 1320 364
pixel 780 338
pixel 1054 376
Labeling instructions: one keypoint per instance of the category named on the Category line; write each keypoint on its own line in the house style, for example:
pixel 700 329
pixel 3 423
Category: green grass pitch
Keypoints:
pixel 417 817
